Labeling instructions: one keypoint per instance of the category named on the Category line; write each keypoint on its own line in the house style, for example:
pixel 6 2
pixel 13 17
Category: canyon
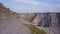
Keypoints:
pixel 11 22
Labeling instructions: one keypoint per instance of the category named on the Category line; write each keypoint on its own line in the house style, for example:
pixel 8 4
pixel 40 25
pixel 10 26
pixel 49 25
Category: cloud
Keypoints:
pixel 27 2
pixel 23 10
pixel 30 6
pixel 56 8
pixel 41 8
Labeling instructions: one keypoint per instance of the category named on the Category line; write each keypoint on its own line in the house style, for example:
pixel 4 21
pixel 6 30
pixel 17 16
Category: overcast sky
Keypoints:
pixel 29 6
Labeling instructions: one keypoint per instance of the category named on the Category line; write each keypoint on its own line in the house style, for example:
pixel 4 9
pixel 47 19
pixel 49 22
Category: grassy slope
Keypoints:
pixel 34 30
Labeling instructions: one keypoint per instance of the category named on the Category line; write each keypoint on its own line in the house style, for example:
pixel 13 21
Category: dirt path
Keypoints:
pixel 11 26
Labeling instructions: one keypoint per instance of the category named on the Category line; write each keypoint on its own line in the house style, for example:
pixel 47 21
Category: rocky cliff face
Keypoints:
pixel 48 21
pixel 45 19
pixel 58 16
pixel 42 19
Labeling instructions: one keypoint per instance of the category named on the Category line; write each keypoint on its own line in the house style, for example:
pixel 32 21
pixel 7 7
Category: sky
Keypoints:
pixel 32 6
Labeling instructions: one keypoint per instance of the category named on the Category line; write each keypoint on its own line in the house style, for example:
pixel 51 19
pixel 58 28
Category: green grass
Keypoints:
pixel 30 19
pixel 34 30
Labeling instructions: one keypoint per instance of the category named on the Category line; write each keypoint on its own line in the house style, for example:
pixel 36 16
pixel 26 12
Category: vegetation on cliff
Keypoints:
pixel 34 30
